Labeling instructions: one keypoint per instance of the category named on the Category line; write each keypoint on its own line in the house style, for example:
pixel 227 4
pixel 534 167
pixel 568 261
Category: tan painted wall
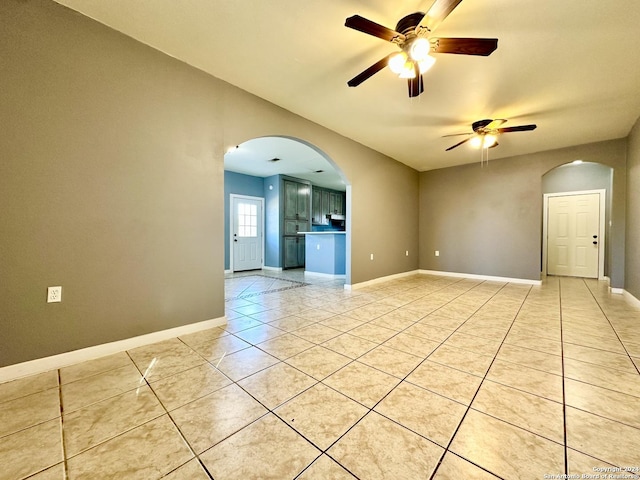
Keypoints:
pixel 111 185
pixel 488 220
pixel 632 264
pixel 384 217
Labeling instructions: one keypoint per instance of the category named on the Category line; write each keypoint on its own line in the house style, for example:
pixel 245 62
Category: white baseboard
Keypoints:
pixel 46 364
pixel 323 275
pixel 375 281
pixel 630 298
pixel 618 291
pixel 490 278
pixel 274 269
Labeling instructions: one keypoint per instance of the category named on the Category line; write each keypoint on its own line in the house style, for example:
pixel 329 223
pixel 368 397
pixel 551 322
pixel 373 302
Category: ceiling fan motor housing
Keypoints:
pixel 409 23
pixel 480 124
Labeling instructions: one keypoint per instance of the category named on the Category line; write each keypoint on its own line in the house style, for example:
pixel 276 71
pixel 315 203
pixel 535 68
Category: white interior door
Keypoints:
pixel 246 233
pixel 574 235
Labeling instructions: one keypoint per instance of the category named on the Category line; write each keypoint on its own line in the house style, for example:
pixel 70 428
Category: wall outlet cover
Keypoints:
pixel 54 294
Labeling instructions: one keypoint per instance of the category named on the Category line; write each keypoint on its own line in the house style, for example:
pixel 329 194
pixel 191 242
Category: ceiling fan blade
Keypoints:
pixel 458 144
pixel 465 46
pixel 494 145
pixel 369 72
pixel 416 84
pixel 438 12
pixel 372 28
pixel 457 134
pixel 495 123
pixel 521 128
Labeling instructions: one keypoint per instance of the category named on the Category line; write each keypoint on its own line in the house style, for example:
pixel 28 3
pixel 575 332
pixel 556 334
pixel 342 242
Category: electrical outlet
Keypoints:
pixel 372 256
pixel 318 246
pixel 407 253
pixel 54 294
pixel 437 253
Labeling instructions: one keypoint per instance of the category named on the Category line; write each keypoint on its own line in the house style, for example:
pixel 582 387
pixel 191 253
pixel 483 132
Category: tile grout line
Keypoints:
pixel 564 399
pixel 370 409
pixel 612 327
pixel 425 359
pixel 225 376
pixel 353 360
pixel 64 448
pixel 268 410
pixel 166 412
pixel 403 379
pixel 455 432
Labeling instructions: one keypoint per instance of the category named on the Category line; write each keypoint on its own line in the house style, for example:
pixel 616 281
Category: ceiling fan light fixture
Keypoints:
pixel 397 62
pixel 426 64
pixel 476 141
pixel 420 49
pixel 489 140
pixel 408 71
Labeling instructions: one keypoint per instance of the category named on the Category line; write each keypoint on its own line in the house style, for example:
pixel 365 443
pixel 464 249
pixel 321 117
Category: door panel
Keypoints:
pixel 246 226
pixel 291 227
pixel 290 199
pixel 316 205
pixel 573 235
pixel 303 202
pixel 291 258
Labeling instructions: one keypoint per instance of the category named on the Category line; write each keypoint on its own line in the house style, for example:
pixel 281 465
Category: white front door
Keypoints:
pixel 246 233
pixel 574 235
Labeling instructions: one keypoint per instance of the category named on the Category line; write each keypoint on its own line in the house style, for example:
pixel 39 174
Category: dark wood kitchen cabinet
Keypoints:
pixel 325 202
pixel 296 212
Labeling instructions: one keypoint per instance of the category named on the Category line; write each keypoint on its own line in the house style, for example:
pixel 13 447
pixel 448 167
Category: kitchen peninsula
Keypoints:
pixel 325 252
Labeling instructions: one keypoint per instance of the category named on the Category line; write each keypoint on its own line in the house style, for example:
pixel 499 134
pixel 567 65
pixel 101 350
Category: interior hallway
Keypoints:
pixel 420 377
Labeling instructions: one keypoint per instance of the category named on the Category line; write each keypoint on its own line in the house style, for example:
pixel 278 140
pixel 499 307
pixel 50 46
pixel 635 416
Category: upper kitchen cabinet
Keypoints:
pixel 296 200
pixel 317 213
pixel 336 203
pixel 325 202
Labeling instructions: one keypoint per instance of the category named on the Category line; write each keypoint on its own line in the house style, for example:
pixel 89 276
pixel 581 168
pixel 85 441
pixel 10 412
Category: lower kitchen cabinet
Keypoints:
pixel 294 251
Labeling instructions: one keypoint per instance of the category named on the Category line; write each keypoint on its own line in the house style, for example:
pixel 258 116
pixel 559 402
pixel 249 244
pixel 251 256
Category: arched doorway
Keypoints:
pixel 262 168
pixel 576 219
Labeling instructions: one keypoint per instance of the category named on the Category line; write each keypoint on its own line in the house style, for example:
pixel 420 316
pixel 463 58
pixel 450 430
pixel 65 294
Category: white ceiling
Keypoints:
pixel 255 157
pixel 572 67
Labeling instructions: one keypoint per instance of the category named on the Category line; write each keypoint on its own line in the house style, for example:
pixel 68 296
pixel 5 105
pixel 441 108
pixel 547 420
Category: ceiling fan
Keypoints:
pixel 485 133
pixel 412 36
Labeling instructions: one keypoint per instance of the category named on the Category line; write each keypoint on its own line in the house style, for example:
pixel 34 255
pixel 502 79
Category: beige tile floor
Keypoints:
pixel 423 377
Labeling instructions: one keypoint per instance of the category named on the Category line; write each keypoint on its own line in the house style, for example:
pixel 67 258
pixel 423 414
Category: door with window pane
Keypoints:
pixel 246 228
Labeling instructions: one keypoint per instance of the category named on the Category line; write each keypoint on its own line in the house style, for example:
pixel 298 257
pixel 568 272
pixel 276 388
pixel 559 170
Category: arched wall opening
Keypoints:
pixel 254 168
pixel 579 176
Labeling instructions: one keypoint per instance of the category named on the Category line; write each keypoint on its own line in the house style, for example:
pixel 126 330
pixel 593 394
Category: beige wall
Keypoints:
pixel 384 193
pixel 632 264
pixel 111 185
pixel 488 220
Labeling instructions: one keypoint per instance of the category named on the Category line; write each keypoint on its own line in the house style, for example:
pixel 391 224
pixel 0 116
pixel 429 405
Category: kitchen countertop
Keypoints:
pixel 322 233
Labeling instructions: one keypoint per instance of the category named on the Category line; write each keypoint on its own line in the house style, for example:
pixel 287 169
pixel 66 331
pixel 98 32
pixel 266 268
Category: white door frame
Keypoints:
pixel 601 233
pixel 232 197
